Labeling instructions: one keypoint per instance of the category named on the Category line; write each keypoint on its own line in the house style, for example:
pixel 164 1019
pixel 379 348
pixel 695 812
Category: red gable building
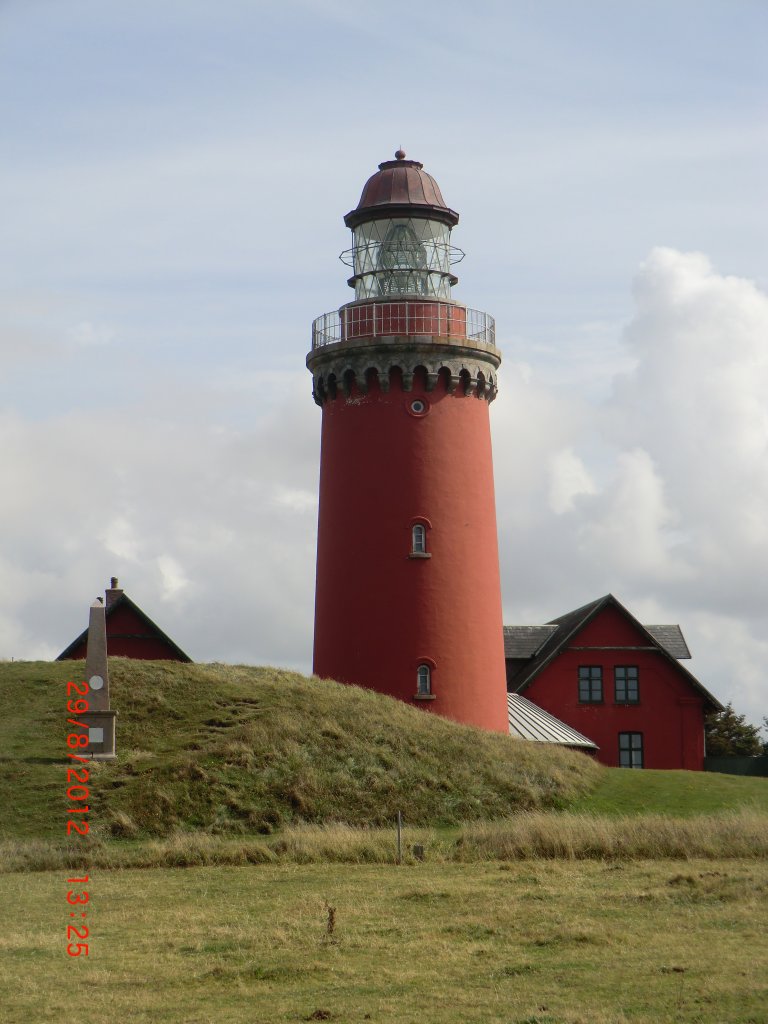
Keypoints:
pixel 130 633
pixel 615 681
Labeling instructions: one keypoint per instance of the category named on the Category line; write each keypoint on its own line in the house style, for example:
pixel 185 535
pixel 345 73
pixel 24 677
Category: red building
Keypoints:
pixel 615 681
pixel 408 598
pixel 130 633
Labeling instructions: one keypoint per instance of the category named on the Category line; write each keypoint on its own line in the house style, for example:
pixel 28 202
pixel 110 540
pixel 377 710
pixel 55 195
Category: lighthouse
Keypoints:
pixel 408 598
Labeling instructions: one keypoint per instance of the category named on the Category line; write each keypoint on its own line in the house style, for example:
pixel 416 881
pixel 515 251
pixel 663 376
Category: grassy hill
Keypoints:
pixel 222 752
pixel 238 750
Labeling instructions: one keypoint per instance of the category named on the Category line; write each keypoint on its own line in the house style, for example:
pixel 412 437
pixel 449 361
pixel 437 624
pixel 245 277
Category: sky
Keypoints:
pixel 173 180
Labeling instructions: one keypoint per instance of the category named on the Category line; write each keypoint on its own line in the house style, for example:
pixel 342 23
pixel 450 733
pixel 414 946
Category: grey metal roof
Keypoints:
pixel 529 722
pixel 671 639
pixel 524 641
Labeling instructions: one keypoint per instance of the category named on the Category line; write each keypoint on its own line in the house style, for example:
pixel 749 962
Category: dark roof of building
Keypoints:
pixel 671 639
pixel 568 625
pixel 123 601
pixel 401 188
pixel 527 721
pixel 524 641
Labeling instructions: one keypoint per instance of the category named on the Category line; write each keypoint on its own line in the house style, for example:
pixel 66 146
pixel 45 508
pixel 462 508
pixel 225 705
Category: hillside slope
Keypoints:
pixel 235 749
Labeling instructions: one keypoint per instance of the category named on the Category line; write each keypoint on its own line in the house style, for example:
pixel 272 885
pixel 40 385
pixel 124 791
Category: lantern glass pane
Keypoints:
pixel 401 256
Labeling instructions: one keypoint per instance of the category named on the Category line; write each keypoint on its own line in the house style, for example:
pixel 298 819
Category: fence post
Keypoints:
pixel 399 838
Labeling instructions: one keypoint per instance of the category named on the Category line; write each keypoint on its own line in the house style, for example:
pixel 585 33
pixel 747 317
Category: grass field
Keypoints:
pixel 681 794
pixel 518 943
pixel 553 891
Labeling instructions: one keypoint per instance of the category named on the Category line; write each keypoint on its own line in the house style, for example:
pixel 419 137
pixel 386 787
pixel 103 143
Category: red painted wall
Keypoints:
pixel 380 613
pixel 670 711
pixel 128 636
pixel 438 319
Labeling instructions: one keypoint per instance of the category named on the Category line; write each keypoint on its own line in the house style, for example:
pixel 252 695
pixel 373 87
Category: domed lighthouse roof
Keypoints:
pixel 401 188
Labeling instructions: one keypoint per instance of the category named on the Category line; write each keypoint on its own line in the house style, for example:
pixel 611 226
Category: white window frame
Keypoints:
pixel 424 681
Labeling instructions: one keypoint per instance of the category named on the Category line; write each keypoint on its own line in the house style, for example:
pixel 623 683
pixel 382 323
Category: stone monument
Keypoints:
pixel 99 718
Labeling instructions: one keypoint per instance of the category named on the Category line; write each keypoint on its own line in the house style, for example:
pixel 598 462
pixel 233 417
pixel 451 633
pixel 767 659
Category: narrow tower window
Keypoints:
pixel 418 539
pixel 423 681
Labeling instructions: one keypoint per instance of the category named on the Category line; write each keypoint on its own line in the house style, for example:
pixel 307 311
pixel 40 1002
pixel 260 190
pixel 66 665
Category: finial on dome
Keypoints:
pixel 400 154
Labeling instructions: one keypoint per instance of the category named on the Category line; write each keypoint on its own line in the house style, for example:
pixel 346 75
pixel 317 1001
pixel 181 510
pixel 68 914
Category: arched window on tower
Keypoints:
pixel 423 681
pixel 418 539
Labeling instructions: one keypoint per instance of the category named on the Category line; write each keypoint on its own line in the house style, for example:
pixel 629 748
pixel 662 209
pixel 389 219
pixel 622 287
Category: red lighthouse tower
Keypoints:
pixel 408 600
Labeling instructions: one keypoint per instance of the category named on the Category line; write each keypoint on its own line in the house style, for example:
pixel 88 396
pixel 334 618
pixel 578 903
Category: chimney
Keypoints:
pixel 113 592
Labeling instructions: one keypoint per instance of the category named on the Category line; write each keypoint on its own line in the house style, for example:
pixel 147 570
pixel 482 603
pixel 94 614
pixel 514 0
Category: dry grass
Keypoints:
pixel 527 836
pixel 567 836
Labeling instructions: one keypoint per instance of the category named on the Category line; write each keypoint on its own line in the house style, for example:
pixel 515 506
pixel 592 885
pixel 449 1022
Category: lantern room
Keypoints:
pixel 401 235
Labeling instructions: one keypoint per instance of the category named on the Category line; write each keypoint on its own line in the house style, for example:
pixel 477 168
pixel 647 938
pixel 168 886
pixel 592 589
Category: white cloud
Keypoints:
pixel 294 500
pixel 173 577
pixel 88 334
pixel 184 513
pixel 569 478
pixel 119 536
pixel 697 402
pixel 627 526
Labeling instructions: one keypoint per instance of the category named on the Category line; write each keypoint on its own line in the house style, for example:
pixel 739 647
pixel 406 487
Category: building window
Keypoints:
pixel 418 539
pixel 590 684
pixel 423 681
pixel 630 750
pixel 626 684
